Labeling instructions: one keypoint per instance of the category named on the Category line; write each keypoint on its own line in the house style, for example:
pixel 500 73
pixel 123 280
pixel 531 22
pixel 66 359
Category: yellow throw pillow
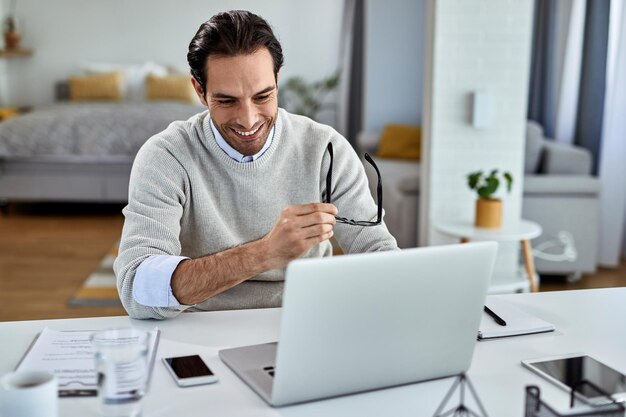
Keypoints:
pixel 96 87
pixel 400 142
pixel 171 87
pixel 8 112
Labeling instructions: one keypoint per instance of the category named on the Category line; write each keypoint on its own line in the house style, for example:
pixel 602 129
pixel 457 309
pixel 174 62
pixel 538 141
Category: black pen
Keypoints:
pixel 494 316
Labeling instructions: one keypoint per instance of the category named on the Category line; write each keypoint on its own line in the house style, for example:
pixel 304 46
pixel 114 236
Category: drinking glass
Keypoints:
pixel 122 367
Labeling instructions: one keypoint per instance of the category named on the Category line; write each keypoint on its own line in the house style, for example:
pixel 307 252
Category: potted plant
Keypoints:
pixel 488 208
pixel 11 34
pixel 308 98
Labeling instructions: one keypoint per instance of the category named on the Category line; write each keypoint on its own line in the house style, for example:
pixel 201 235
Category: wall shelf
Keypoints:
pixel 15 53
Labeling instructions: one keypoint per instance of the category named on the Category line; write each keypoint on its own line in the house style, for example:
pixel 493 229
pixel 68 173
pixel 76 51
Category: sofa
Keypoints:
pixel 559 193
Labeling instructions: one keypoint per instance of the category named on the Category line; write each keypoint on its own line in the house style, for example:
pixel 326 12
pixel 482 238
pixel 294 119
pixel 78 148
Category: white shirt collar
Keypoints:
pixel 233 153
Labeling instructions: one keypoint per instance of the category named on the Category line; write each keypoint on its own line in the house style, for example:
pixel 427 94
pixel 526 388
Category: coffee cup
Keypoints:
pixel 29 393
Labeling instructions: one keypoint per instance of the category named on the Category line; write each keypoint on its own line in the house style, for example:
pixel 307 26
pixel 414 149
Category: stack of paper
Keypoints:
pixel 518 322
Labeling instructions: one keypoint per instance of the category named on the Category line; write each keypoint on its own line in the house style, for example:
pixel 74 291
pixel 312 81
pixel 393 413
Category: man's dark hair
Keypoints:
pixel 237 32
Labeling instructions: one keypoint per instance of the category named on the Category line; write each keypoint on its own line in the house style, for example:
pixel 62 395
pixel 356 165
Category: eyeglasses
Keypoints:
pixel 329 178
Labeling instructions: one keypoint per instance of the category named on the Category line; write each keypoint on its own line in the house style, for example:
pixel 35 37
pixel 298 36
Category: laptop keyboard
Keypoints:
pixel 269 370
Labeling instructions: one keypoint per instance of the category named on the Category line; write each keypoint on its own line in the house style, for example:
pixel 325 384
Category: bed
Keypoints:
pixel 79 152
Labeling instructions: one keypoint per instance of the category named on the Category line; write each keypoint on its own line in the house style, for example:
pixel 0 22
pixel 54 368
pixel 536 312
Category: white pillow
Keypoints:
pixel 134 84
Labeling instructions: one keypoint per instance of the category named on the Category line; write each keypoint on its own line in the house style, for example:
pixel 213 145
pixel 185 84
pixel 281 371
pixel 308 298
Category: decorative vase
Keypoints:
pixel 488 213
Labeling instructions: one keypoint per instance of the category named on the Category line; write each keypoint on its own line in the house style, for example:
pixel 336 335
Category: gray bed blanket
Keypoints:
pixel 94 129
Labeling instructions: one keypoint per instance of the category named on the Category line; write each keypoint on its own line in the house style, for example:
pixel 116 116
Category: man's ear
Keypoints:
pixel 199 91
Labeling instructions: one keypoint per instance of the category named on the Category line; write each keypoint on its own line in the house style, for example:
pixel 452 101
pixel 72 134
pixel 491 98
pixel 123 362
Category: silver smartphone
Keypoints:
pixel 190 370
pixel 567 371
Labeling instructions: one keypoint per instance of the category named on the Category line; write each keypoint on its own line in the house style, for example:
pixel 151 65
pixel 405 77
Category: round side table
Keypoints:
pixel 523 231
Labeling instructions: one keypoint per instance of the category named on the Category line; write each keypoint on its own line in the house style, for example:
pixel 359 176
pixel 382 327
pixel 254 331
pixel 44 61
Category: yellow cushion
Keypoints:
pixel 171 87
pixel 401 142
pixel 96 87
pixel 8 112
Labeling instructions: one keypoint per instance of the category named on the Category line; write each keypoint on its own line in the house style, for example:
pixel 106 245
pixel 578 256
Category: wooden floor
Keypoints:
pixel 47 250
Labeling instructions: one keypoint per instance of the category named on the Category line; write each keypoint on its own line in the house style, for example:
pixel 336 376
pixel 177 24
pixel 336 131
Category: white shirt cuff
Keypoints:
pixel 152 286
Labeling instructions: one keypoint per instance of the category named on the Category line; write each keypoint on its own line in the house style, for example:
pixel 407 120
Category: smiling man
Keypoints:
pixel 221 203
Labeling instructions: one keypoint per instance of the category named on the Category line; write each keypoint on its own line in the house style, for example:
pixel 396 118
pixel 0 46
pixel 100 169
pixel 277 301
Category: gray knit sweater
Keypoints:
pixel 188 197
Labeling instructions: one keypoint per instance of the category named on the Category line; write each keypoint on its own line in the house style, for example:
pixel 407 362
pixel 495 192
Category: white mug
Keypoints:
pixel 29 393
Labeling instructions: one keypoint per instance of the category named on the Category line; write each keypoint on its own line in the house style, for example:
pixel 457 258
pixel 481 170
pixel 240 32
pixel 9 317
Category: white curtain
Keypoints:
pixel 613 151
pixel 565 93
pixel 557 59
pixel 571 46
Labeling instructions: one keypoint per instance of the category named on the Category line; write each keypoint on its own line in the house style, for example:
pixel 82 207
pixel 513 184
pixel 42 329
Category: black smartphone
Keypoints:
pixel 189 370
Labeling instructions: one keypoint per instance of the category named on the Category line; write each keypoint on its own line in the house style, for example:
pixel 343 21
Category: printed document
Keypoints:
pixel 71 357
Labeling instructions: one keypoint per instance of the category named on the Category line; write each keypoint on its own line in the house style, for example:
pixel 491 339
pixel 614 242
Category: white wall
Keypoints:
pixel 65 33
pixel 394 43
pixel 482 44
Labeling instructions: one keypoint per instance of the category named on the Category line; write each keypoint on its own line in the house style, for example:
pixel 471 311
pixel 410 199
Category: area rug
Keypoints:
pixel 99 288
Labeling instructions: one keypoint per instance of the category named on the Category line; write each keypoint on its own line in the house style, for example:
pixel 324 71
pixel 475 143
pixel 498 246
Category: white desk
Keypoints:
pixel 590 321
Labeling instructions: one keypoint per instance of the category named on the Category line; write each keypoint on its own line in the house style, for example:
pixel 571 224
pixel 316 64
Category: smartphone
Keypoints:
pixel 567 371
pixel 189 370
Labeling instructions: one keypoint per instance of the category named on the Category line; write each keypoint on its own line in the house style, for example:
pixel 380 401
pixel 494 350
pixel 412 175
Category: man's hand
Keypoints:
pixel 297 230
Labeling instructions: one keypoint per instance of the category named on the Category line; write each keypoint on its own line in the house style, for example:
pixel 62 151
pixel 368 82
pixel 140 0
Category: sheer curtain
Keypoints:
pixel 556 63
pixel 572 42
pixel 578 93
pixel 568 70
pixel 612 170
pixel 541 97
pixel 593 79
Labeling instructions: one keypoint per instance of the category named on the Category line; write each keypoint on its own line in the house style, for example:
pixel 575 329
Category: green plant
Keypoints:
pixel 305 98
pixel 486 185
pixel 9 21
pixel 9 24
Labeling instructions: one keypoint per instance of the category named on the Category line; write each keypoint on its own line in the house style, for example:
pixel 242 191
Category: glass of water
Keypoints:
pixel 122 367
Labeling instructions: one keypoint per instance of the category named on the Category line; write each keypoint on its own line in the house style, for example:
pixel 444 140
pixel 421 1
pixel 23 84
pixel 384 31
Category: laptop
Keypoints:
pixel 367 321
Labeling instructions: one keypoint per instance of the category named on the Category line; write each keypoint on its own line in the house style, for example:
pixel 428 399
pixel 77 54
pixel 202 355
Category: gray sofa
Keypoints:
pixel 559 193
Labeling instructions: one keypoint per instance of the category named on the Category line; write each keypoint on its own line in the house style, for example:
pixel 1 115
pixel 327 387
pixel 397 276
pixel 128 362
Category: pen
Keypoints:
pixel 494 316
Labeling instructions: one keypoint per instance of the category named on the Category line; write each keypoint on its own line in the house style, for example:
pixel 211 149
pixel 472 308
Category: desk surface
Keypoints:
pixel 589 321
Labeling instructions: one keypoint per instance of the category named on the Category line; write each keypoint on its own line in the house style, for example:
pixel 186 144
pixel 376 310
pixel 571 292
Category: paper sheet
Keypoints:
pixel 71 357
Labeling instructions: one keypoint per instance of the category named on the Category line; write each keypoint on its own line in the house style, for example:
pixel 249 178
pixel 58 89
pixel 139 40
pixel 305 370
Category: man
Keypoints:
pixel 221 203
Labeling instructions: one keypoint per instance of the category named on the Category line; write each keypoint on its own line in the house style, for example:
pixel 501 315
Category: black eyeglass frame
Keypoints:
pixel 379 193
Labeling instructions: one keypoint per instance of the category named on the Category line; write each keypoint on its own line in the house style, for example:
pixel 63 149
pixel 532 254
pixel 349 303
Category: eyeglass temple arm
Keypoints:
pixel 329 177
pixel 379 188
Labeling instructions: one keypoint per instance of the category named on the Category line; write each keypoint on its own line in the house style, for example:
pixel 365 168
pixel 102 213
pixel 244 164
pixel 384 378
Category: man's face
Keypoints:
pixel 242 96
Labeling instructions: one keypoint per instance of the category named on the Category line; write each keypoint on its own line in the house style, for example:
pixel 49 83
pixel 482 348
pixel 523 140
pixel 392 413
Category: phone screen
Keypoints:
pixel 188 366
pixel 569 371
